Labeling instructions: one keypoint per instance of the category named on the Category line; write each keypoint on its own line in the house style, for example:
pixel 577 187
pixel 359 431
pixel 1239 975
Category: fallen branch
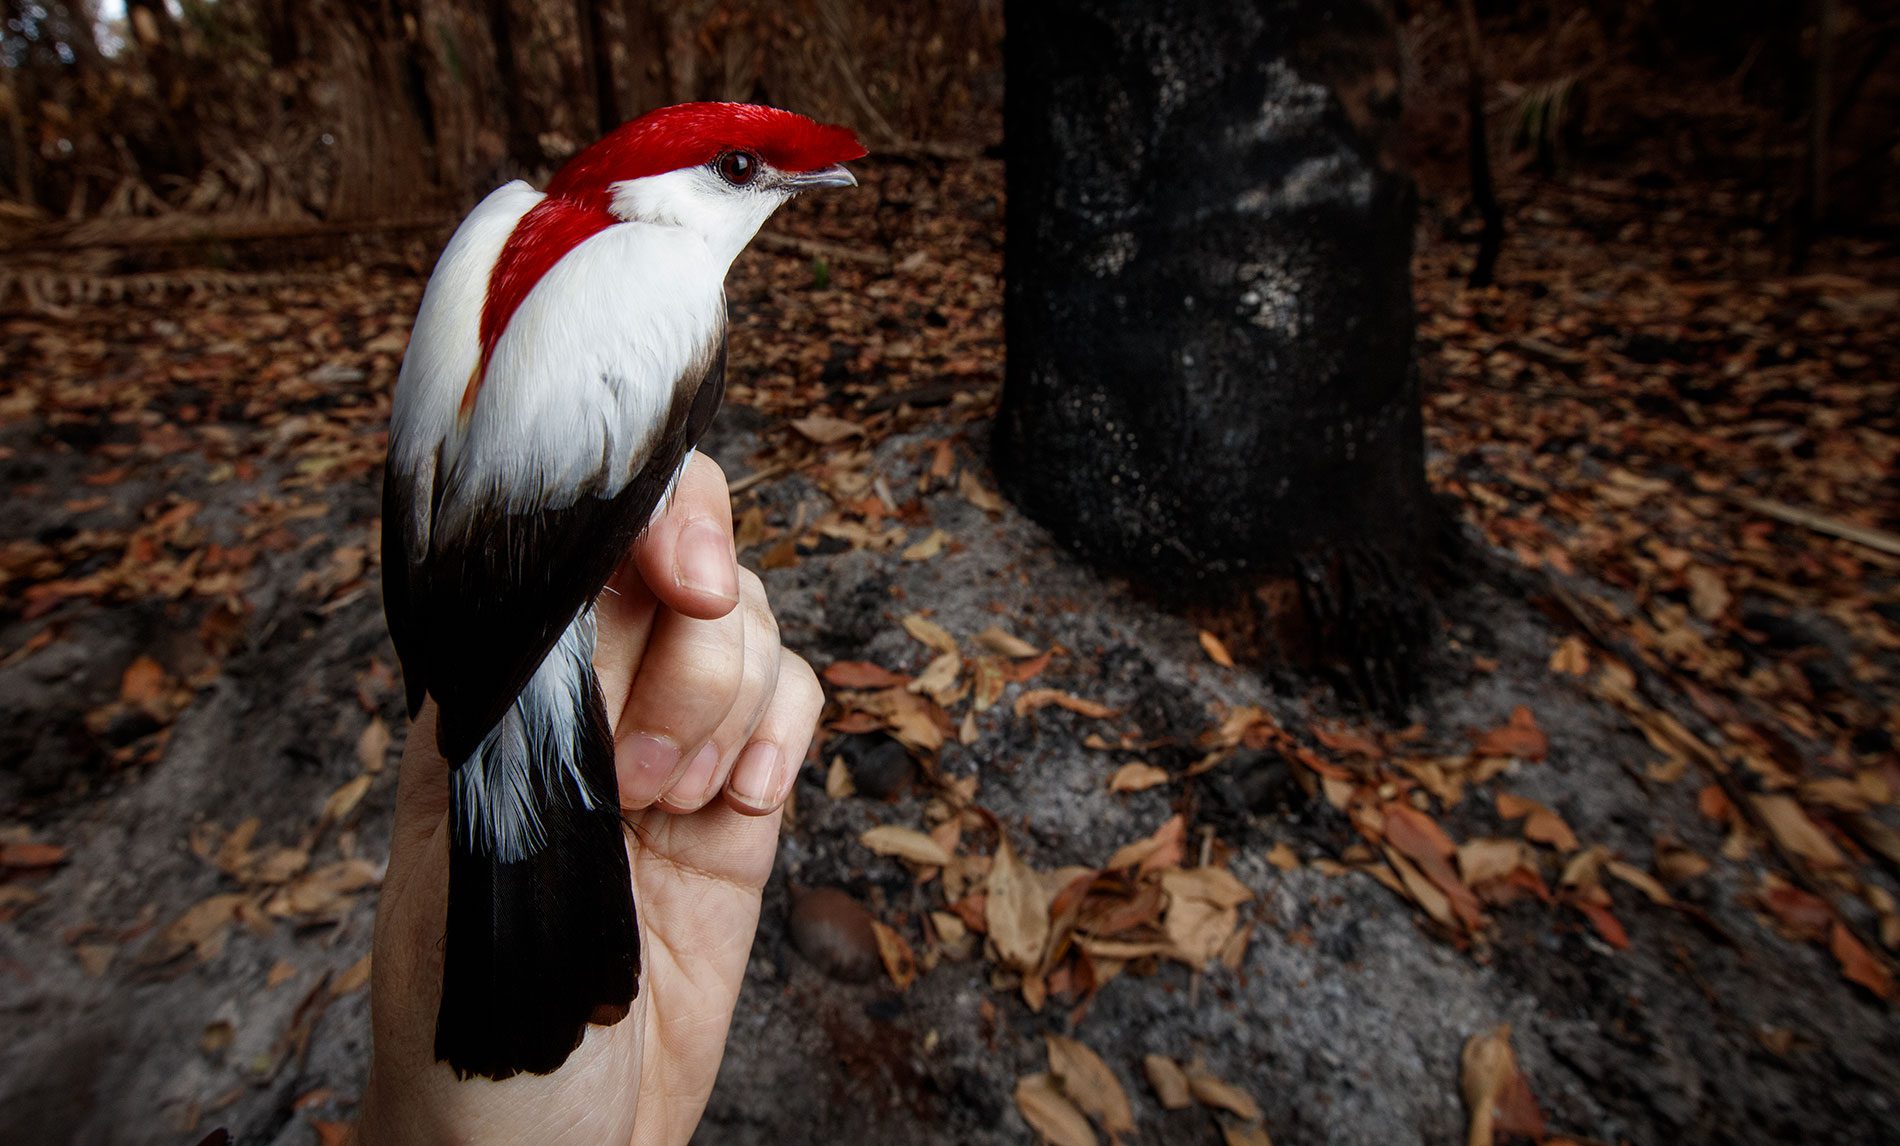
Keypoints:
pixel 1877 539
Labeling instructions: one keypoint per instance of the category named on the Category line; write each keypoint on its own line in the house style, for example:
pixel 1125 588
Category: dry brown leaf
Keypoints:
pixel 1642 881
pixel 929 546
pixel 344 800
pixel 924 629
pixel 1571 657
pixel 1541 825
pixel 1215 650
pixel 825 429
pixel 1518 737
pixel 1169 1081
pixel 1164 848
pixel 838 783
pixel 324 889
pixel 1004 643
pixel 1677 863
pixel 905 843
pixel 1036 698
pixel 1495 1091
pixel 25 855
pixel 201 928
pixel 972 490
pixel 1137 776
pixel 900 962
pixel 1282 856
pixel 863 674
pixel 939 678
pixel 142 682
pixel 1202 912
pixel 1483 860
pixel 372 747
pixel 281 972
pixel 1858 964
pixel 1708 594
pixel 1244 1134
pixel 354 978
pixel 1795 831
pixel 1051 1115
pixel 1091 1085
pixel 1017 912
pixel 1212 1091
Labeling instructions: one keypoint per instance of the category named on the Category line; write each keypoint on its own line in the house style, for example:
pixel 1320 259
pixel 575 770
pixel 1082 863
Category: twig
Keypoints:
pixel 1877 539
pixel 756 477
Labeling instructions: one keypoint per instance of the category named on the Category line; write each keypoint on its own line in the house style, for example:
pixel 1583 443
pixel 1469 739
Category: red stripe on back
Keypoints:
pixel 549 230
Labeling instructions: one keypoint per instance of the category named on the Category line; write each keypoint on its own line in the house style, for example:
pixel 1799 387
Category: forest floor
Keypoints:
pixel 1626 873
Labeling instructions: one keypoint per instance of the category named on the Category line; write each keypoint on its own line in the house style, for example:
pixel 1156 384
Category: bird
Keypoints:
pixel 568 354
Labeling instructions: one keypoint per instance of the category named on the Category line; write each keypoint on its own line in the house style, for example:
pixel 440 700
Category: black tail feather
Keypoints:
pixel 540 947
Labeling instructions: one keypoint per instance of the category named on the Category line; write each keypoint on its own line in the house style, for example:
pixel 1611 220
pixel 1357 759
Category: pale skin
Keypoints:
pixel 712 719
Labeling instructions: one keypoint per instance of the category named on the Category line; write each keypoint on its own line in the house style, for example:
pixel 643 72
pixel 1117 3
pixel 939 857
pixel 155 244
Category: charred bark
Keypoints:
pixel 1209 308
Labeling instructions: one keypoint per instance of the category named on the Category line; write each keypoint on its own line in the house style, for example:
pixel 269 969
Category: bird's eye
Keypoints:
pixel 737 167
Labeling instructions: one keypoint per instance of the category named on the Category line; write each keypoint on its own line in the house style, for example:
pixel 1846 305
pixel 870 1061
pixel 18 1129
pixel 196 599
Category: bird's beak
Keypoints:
pixel 834 176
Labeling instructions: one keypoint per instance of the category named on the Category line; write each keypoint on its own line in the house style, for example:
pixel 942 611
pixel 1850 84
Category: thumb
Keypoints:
pixel 687 557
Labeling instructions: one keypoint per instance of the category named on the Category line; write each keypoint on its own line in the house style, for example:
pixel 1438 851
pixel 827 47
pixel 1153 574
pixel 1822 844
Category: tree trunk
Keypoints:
pixel 1209 309
pixel 524 146
pixel 1484 195
pixel 597 60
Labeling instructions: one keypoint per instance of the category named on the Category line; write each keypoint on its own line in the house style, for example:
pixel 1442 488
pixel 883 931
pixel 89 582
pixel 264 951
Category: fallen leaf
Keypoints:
pixel 863 674
pixel 1642 881
pixel 1137 776
pixel 1004 643
pixel 1212 1091
pixel 1244 1134
pixel 201 929
pixel 1169 1081
pixel 1202 912
pixel 926 548
pixel 372 747
pixel 1495 1092
pixel 22 855
pixel 1036 698
pixel 1017 912
pixel 1858 964
pixel 343 801
pixel 924 629
pixel 1165 848
pixel 1091 1085
pixel 900 962
pixel 143 682
pixel 1519 737
pixel 1541 825
pixel 970 489
pixel 838 783
pixel 905 843
pixel 1793 829
pixel 825 429
pixel 1571 657
pixel 1051 1115
pixel 1215 650
pixel 1708 595
pixel 353 978
pixel 1483 860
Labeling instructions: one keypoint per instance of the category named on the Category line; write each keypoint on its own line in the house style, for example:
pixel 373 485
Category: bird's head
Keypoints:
pixel 719 169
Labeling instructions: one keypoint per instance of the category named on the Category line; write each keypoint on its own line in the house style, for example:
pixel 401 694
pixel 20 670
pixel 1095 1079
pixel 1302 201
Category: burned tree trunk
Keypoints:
pixel 1209 306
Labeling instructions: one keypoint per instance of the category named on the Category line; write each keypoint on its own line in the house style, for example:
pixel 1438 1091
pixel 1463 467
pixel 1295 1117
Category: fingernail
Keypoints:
pixel 645 764
pixel 755 778
pixel 695 784
pixel 705 560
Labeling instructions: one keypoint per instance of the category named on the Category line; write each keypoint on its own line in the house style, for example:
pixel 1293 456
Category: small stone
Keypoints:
pixel 833 931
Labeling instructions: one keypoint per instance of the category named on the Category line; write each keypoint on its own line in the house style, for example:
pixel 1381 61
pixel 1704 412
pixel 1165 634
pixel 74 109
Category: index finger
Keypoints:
pixel 686 556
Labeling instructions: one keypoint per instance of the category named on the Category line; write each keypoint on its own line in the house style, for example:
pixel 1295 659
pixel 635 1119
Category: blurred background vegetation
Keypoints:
pixel 345 111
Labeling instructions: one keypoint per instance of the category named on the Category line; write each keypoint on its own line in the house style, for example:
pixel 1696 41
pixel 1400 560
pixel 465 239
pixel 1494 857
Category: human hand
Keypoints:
pixel 712 719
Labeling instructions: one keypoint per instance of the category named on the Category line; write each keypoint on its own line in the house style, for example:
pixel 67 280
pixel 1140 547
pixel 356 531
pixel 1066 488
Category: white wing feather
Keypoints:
pixel 580 382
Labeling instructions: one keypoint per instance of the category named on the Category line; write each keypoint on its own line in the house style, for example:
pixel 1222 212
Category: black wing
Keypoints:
pixel 473 619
